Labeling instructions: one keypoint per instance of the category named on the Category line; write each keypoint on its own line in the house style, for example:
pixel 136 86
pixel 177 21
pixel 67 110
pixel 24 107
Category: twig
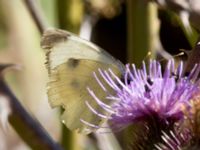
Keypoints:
pixel 41 24
pixel 27 128
pixel 37 15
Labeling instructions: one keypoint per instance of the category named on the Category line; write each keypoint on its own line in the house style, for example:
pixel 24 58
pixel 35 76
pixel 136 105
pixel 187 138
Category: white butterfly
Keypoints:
pixel 71 62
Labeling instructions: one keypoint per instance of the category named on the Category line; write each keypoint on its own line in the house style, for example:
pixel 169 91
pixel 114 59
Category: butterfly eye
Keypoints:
pixel 150 81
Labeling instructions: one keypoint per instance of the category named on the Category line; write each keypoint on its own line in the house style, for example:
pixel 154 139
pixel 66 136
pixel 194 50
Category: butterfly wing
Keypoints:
pixel 71 62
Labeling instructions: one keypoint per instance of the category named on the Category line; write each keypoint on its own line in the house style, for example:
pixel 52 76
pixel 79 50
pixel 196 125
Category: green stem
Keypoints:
pixel 69 18
pixel 67 137
pixel 138 30
pixel 70 14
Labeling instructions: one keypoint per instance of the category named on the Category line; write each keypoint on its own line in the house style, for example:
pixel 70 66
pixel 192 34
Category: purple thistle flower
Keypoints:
pixel 144 94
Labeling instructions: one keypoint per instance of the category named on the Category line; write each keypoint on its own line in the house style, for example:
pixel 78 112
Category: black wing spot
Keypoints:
pixel 73 63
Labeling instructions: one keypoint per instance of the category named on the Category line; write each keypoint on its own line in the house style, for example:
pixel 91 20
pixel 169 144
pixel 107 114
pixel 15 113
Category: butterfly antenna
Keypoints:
pixel 174 56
